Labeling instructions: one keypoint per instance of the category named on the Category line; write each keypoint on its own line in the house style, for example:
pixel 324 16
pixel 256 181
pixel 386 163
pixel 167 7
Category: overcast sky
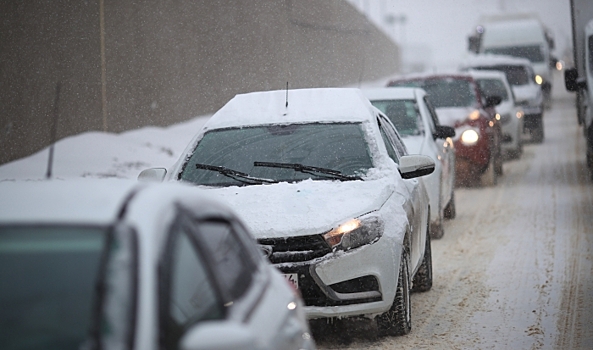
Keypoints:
pixel 439 29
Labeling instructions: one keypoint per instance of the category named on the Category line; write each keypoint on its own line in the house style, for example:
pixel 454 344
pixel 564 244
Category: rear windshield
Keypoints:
pixel 403 114
pixel 445 92
pixel 516 75
pixel 48 279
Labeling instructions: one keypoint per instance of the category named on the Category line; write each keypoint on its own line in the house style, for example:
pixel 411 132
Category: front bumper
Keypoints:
pixel 358 282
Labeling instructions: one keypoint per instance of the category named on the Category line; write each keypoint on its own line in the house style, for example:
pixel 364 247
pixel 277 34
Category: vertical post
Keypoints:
pixel 103 69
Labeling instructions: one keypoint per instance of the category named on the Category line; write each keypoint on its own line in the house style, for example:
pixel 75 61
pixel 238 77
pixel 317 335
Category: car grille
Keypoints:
pixel 294 249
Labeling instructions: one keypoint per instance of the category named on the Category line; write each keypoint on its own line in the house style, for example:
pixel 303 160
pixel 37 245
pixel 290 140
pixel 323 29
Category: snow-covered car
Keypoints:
pixel 416 121
pixel 114 264
pixel 528 94
pixel 325 184
pixel 459 103
pixel 510 115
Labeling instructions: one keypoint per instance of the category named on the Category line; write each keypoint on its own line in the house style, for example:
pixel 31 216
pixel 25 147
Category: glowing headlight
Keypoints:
pixel 354 233
pixel 474 115
pixel 469 137
pixel 520 114
pixel 538 79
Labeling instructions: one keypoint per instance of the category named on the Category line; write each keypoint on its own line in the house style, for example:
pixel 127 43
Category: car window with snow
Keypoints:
pixel 516 75
pixel 341 147
pixel 403 114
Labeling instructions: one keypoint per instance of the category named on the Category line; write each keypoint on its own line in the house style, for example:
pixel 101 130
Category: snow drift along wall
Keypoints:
pixel 123 65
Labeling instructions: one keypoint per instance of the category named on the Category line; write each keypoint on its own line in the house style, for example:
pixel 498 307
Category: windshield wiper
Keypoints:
pixel 235 175
pixel 313 170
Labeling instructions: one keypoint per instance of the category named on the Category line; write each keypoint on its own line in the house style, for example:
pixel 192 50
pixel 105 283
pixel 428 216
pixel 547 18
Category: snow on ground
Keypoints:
pixel 107 155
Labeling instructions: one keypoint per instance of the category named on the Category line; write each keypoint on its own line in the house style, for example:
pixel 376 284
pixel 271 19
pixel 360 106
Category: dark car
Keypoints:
pixel 459 103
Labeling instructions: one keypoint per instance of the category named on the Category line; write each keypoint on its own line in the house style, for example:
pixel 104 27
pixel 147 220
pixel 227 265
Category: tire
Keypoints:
pixel 450 212
pixel 398 319
pixel 423 279
pixel 537 134
pixel 436 230
pixel 489 179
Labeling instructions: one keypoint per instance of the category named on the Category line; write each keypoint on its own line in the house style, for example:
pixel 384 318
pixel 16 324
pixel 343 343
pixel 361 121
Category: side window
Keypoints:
pixel 432 120
pixel 433 113
pixel 390 150
pixel 233 263
pixel 393 135
pixel 188 292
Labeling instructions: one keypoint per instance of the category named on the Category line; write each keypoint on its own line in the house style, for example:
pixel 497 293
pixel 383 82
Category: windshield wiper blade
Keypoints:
pixel 235 175
pixel 313 170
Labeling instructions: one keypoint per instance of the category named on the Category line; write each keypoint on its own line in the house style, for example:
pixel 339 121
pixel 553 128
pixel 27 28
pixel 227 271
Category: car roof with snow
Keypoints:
pixel 485 60
pixel 293 106
pixel 487 74
pixel 431 75
pixel 98 202
pixel 392 93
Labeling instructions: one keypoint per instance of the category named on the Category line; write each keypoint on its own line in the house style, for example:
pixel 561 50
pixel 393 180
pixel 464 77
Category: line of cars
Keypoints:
pixel 342 189
pixel 491 102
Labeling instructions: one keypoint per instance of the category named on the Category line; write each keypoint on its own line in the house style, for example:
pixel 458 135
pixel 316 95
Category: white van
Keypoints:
pixel 521 36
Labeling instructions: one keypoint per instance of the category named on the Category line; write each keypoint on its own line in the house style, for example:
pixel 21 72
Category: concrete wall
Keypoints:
pixel 123 65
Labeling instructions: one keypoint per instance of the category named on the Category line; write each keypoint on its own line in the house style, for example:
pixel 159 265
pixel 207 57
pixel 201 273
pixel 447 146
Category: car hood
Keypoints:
pixel 304 208
pixel 414 144
pixel 449 116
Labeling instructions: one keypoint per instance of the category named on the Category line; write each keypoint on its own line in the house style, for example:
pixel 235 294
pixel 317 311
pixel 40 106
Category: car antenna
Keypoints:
pixel 54 130
pixel 286 94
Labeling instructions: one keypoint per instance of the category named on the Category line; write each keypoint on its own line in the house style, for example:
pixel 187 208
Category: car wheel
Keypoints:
pixel 489 177
pixel 423 279
pixel 537 134
pixel 436 229
pixel 398 319
pixel 450 212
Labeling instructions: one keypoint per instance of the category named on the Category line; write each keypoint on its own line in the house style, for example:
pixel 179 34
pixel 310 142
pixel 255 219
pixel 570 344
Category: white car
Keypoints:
pixel 416 121
pixel 495 83
pixel 115 264
pixel 528 94
pixel 324 183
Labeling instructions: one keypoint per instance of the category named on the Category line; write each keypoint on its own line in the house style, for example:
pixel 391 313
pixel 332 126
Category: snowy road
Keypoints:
pixel 514 269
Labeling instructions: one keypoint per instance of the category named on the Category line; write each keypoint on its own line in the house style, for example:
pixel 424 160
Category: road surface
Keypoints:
pixel 514 269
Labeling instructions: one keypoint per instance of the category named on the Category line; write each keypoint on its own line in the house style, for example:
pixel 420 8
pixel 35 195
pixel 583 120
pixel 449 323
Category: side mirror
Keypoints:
pixel 152 175
pixel 218 335
pixel 442 132
pixel 416 165
pixel 492 101
pixel 572 81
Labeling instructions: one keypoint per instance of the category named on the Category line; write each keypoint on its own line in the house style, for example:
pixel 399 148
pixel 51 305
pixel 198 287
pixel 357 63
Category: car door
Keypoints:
pixel 446 152
pixel 411 189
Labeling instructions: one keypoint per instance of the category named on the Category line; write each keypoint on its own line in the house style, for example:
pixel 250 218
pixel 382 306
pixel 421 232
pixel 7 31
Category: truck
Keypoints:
pixel 519 35
pixel 579 79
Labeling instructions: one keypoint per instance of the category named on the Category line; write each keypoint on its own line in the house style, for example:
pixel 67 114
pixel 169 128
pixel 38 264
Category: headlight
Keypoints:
pixel 538 79
pixel 469 137
pixel 474 115
pixel 354 233
pixel 520 114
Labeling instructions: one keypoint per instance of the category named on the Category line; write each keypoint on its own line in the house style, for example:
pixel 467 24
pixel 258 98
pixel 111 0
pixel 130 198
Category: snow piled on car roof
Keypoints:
pixel 485 60
pixel 304 105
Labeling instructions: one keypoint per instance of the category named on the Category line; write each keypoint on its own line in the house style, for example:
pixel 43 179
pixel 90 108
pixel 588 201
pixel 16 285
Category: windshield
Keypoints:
pixel 48 279
pixel 337 146
pixel 532 53
pixel 403 114
pixel 445 92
